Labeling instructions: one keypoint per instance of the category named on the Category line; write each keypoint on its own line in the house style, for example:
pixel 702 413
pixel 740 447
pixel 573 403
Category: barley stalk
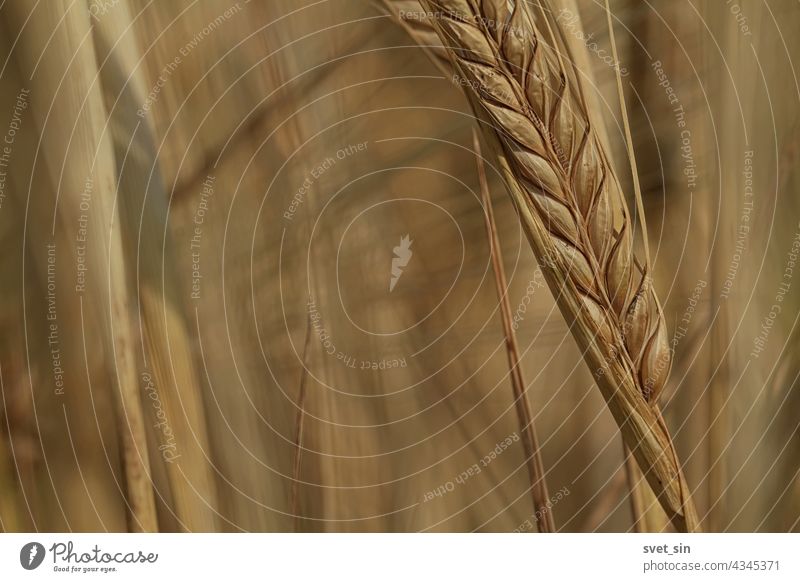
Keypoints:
pixel 164 335
pixel 76 141
pixel 298 435
pixel 533 113
pixel 533 456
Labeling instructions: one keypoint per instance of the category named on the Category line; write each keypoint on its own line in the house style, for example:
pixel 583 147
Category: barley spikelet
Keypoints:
pixel 575 217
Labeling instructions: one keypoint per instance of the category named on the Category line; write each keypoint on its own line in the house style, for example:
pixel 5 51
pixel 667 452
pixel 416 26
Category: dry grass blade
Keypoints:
pixel 167 345
pixel 60 28
pixel 298 435
pixel 575 217
pixel 544 522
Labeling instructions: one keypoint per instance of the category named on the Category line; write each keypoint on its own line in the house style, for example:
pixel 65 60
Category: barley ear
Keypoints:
pixel 532 112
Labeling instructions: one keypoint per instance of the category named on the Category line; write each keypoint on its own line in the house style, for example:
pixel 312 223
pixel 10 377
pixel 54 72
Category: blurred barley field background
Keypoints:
pixel 247 282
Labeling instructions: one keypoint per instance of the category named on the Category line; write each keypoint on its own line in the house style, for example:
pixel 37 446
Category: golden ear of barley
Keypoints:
pixel 545 132
pixel 574 215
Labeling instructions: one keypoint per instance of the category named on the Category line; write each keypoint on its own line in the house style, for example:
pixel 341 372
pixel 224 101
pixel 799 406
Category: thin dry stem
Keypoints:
pixel 544 522
pixel 164 332
pixel 60 28
pixel 298 435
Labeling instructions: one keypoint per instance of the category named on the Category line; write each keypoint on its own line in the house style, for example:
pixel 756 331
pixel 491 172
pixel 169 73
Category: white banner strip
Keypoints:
pixel 400 557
